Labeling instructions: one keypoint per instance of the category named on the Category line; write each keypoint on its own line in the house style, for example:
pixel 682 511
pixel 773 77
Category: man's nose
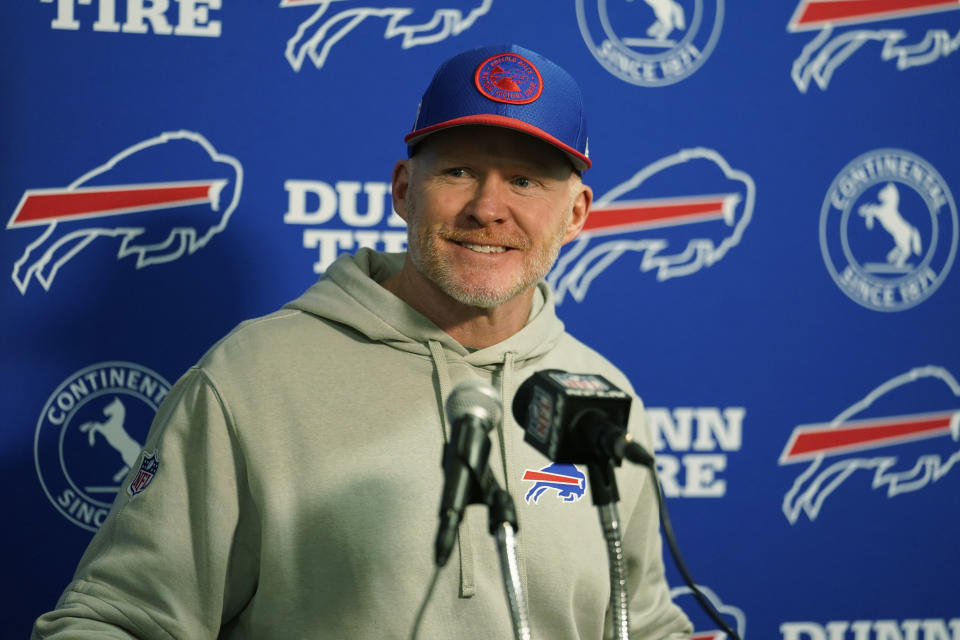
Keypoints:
pixel 489 204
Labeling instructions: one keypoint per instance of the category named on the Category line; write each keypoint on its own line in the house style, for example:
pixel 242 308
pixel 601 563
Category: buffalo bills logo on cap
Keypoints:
pixel 507 77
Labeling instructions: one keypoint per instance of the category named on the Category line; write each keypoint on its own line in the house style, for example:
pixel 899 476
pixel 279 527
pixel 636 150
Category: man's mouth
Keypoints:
pixel 483 248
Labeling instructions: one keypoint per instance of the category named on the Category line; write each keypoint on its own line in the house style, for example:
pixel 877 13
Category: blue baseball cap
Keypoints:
pixel 506 86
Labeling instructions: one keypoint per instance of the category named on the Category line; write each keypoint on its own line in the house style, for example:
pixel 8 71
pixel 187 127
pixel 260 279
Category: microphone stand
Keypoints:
pixel 503 526
pixel 603 488
pixel 472 408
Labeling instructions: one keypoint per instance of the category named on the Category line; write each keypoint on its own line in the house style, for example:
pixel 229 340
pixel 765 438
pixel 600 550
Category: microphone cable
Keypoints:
pixel 705 604
pixel 426 601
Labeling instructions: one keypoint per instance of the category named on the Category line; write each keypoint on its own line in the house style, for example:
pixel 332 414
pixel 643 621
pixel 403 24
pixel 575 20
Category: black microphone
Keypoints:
pixel 473 409
pixel 576 418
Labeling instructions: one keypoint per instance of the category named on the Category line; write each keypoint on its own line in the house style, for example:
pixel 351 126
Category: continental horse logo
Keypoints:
pixel 653 43
pixel 905 236
pixel 89 439
pixel 333 20
pixel 115 434
pixel 888 230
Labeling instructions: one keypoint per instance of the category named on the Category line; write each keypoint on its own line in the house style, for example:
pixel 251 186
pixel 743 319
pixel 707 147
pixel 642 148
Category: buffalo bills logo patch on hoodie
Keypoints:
pixel 568 481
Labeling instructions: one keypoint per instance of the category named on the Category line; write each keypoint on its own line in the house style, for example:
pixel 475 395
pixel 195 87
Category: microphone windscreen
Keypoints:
pixel 475 398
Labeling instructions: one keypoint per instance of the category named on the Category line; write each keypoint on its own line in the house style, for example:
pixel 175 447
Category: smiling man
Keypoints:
pixel 296 468
pixel 487 210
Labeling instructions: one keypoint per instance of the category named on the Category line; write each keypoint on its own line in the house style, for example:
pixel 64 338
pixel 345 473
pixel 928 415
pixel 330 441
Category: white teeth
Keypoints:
pixel 484 248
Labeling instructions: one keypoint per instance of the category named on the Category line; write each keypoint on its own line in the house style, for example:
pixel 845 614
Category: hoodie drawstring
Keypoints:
pixel 506 453
pixel 468 585
pixel 465 542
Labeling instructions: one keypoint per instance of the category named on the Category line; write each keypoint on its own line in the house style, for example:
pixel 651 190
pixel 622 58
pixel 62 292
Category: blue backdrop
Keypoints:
pixel 770 259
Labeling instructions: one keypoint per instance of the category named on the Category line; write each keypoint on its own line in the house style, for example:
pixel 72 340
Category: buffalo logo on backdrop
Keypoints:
pixel 903 435
pixel 160 198
pixel 90 436
pixel 362 212
pixel 840 36
pixel 692 447
pixel 888 230
pixel 416 25
pixel 568 482
pixel 681 213
pixel 703 625
pixel 186 18
pixel 651 43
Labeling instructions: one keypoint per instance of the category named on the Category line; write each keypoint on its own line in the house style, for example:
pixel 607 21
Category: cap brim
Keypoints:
pixel 579 160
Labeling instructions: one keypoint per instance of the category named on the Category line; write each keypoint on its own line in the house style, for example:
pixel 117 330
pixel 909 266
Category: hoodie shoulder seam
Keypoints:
pixel 246 325
pixel 281 314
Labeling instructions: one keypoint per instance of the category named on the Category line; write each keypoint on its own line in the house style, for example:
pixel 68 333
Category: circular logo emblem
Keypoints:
pixel 91 433
pixel 507 77
pixel 651 44
pixel 888 230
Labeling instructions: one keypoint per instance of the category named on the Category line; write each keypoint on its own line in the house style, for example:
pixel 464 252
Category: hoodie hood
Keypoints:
pixel 349 293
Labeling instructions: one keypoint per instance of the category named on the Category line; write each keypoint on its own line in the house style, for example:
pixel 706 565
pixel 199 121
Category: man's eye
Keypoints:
pixel 522 182
pixel 457 172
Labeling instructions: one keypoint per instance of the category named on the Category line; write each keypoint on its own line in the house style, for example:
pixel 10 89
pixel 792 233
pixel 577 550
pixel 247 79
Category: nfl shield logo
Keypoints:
pixel 148 469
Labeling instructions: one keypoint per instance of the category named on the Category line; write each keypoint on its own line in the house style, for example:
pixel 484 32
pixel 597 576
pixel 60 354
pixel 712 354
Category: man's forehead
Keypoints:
pixel 495 144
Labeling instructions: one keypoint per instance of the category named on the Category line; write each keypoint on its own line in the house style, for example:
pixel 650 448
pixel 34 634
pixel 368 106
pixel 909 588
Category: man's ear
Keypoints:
pixel 400 183
pixel 581 209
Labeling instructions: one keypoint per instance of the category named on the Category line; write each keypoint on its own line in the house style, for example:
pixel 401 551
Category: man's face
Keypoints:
pixel 487 211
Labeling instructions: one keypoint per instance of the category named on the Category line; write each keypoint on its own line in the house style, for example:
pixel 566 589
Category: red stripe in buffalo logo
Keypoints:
pixel 618 217
pixel 42 206
pixel 816 14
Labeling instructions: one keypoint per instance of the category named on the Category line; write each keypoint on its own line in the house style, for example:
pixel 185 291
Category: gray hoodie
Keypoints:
pixel 298 485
